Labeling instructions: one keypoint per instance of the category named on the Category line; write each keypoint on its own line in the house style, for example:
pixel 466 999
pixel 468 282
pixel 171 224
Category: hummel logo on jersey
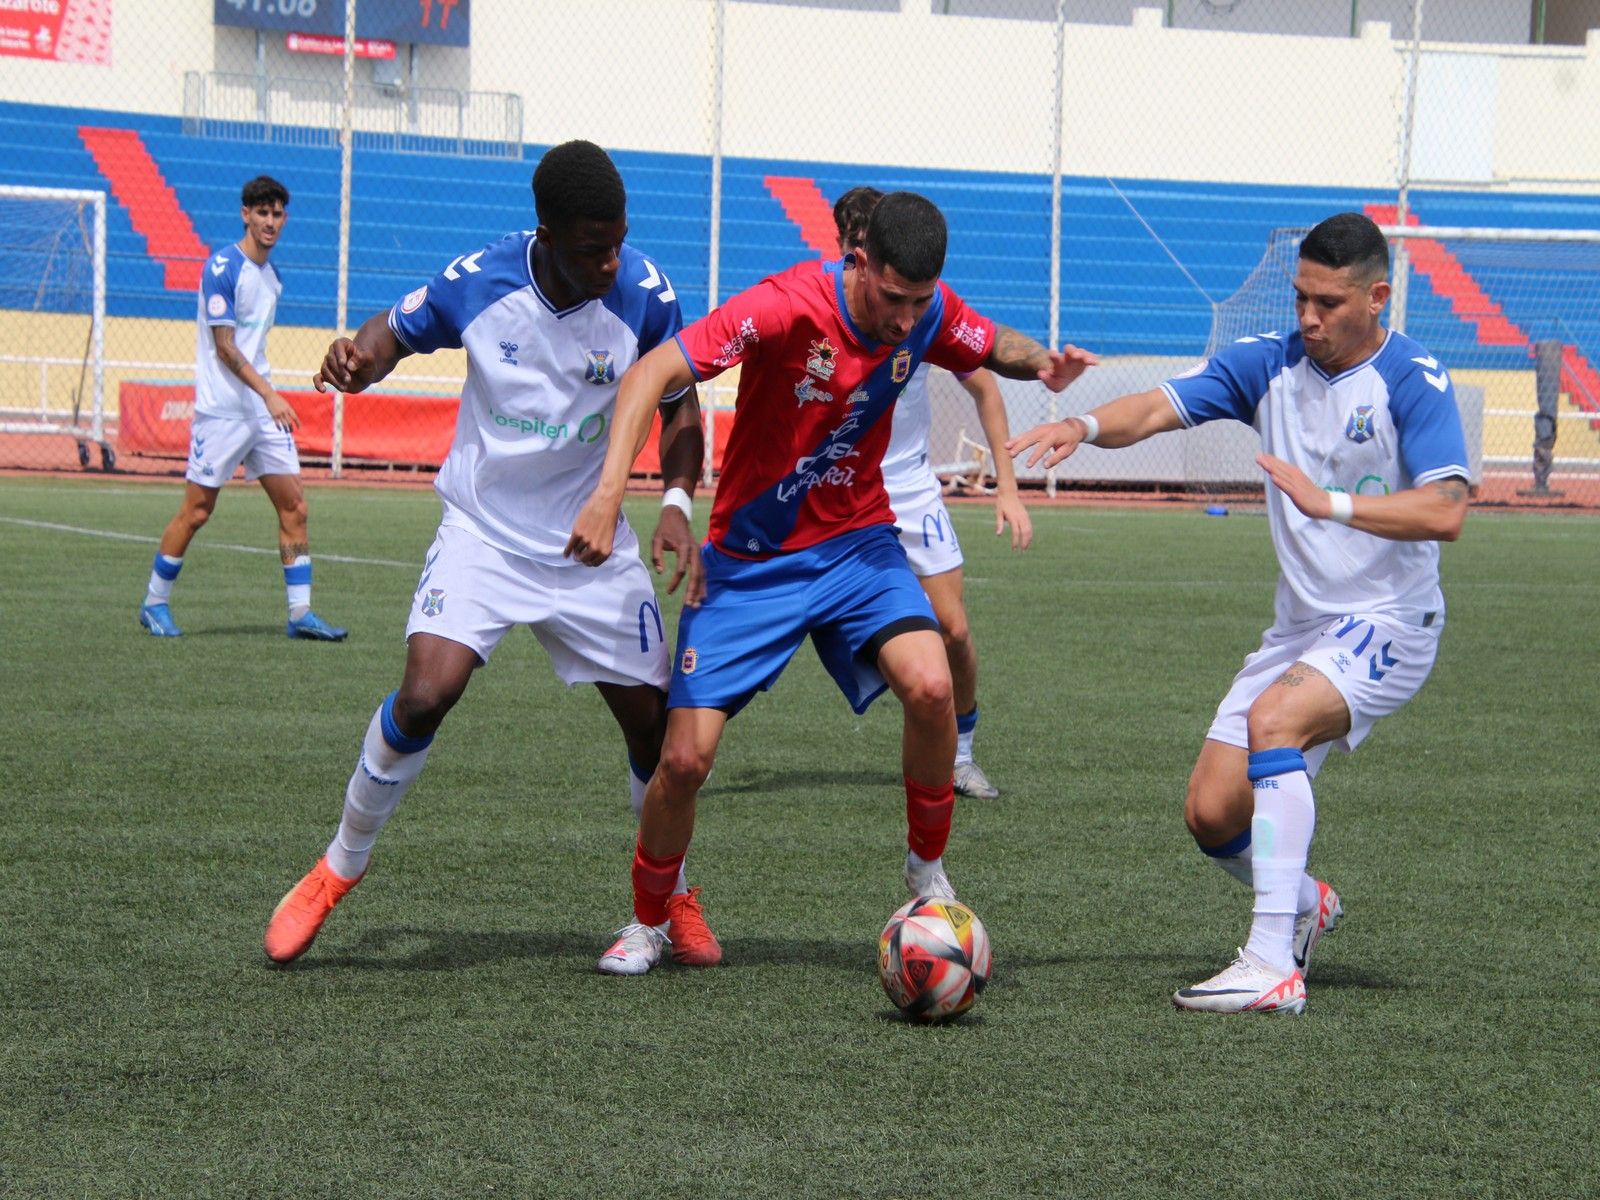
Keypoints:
pixel 1429 364
pixel 508 353
pixel 1360 428
pixel 219 265
pixel 601 367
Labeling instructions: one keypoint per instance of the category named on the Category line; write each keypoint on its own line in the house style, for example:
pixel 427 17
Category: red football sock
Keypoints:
pixel 653 881
pixel 928 814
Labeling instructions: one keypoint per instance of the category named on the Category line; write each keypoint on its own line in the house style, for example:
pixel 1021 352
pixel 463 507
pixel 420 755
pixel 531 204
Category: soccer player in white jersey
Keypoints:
pixel 917 498
pixel 550 319
pixel 1368 473
pixel 239 417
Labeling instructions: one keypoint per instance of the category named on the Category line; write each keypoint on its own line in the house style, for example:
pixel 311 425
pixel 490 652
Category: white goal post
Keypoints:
pixel 53 260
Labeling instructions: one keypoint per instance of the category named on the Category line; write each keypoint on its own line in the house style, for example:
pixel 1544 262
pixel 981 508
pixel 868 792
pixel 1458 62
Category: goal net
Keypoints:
pixel 53 297
pixel 1515 316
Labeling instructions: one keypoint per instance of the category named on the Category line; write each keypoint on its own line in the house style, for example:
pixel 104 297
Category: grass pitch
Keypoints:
pixel 447 1034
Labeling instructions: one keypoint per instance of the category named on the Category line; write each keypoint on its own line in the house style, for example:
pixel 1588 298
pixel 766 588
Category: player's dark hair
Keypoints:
pixel 851 214
pixel 1349 239
pixel 907 232
pixel 577 181
pixel 263 189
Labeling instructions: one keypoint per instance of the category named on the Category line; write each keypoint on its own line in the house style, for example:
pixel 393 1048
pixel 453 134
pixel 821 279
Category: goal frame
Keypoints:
pixel 94 430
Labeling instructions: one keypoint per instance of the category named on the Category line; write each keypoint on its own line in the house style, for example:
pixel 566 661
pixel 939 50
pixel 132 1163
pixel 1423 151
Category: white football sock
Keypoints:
pixel 1240 866
pixel 163 574
pixel 297 586
pixel 381 778
pixel 1280 837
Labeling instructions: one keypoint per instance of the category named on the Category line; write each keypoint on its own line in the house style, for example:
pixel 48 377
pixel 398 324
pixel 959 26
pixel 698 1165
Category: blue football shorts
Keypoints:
pixel 850 593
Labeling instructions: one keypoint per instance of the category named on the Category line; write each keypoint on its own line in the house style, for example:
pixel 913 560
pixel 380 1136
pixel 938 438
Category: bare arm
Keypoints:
pixel 683 450
pixel 1017 356
pixel 355 365
pixel 1008 507
pixel 231 357
pixel 662 372
pixel 1433 512
pixel 1123 421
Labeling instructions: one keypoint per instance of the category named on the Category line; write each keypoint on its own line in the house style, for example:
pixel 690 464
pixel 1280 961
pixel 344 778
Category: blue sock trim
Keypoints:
pixel 167 568
pixel 639 772
pixel 1229 849
pixel 967 722
pixel 295 575
pixel 402 742
pixel 1266 763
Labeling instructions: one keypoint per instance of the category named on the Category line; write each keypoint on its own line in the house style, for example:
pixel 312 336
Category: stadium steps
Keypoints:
pixel 805 205
pixel 152 206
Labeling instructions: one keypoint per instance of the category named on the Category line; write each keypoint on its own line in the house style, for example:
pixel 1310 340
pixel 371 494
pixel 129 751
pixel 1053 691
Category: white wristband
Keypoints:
pixel 1344 508
pixel 1092 424
pixel 680 500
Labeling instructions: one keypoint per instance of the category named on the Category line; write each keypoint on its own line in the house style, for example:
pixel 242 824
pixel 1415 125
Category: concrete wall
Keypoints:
pixel 875 87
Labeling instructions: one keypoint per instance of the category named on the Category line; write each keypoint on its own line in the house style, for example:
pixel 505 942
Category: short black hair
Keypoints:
pixel 1349 239
pixel 578 181
pixel 851 214
pixel 263 189
pixel 907 232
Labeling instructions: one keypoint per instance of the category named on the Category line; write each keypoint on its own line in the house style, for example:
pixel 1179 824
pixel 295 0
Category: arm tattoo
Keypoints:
pixel 1452 490
pixel 1016 355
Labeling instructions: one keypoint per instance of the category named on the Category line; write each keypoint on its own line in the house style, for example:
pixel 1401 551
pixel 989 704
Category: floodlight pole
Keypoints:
pixel 342 291
pixel 1402 258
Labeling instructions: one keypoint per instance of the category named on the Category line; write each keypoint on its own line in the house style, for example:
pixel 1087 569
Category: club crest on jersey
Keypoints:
pixel 807 390
pixel 433 602
pixel 1360 428
pixel 602 367
pixel 413 300
pixel 217 306
pixel 508 353
pixel 690 660
pixel 900 365
pixel 822 359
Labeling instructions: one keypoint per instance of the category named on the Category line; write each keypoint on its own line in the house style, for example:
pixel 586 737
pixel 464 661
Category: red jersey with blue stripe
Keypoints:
pixel 814 406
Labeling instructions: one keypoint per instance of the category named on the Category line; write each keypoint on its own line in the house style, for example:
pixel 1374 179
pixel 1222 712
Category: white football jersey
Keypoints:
pixel 541 386
pixel 1384 425
pixel 234 291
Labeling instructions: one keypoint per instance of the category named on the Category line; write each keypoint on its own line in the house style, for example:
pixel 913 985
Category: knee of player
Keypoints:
pixel 1209 818
pixel 1272 727
pixel 957 633
pixel 929 694
pixel 421 706
pixel 294 515
pixel 683 768
pixel 196 515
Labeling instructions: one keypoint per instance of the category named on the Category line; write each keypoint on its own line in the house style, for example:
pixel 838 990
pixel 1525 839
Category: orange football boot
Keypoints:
pixel 300 914
pixel 693 943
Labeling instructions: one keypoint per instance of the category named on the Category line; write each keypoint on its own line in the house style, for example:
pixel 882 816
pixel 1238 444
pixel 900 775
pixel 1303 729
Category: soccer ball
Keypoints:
pixel 933 958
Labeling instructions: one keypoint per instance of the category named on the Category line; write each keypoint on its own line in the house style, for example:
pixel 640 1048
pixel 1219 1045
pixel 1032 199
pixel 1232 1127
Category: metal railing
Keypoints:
pixel 307 112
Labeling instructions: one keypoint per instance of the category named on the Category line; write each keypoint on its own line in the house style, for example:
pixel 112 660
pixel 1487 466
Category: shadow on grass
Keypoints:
pixel 400 948
pixel 805 780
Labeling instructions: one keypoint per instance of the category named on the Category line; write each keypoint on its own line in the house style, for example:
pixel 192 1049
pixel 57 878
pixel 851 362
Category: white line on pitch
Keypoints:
pixel 140 537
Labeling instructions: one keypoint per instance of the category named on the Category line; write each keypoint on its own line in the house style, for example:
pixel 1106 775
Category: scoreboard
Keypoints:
pixel 436 22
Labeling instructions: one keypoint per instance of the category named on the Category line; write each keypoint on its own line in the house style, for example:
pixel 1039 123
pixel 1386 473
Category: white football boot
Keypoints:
pixel 971 781
pixel 1310 926
pixel 637 949
pixel 1246 985
pixel 928 879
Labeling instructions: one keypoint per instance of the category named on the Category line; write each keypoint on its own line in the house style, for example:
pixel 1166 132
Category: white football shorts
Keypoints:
pixel 598 624
pixel 217 445
pixel 926 532
pixel 1376 662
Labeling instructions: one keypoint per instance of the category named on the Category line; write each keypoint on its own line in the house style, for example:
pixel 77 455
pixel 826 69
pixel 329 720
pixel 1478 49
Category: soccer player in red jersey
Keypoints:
pixel 802 538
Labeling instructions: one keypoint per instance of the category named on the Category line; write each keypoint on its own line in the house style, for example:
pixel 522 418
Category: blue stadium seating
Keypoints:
pixel 1122 291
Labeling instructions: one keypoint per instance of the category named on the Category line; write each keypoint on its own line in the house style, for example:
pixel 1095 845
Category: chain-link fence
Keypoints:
pixel 1113 172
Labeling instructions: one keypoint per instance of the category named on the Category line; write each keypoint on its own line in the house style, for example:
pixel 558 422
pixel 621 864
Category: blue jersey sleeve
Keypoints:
pixel 434 316
pixel 219 281
pixel 1422 402
pixel 1230 385
pixel 645 301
